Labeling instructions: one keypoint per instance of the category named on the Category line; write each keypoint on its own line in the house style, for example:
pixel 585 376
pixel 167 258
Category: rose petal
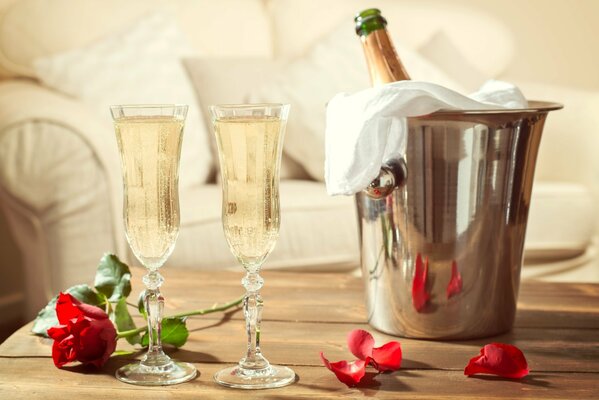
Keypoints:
pixel 58 332
pixel 360 343
pixel 387 357
pixel 455 283
pixel 419 294
pixel 63 351
pixel 66 309
pixel 348 373
pixel 97 342
pixel 499 359
pixel 111 340
pixel 92 312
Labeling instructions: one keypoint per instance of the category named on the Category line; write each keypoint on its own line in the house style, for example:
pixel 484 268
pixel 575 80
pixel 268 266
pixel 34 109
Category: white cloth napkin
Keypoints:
pixel 368 128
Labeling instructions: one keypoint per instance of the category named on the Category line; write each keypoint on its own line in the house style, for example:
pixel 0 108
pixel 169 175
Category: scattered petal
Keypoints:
pixel 500 359
pixel 360 343
pixel 455 283
pixel 419 294
pixel 348 373
pixel 387 357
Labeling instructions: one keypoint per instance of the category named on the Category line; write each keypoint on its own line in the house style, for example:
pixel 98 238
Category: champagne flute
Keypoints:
pixel 250 142
pixel 149 139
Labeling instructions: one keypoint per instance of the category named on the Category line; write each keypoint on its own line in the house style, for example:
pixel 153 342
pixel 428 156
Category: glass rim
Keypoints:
pixel 249 105
pixel 129 106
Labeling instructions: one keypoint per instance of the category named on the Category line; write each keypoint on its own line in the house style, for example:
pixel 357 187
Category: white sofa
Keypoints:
pixel 60 187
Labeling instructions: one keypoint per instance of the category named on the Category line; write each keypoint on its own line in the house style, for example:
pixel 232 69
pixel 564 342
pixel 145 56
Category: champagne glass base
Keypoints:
pixel 273 376
pixel 169 374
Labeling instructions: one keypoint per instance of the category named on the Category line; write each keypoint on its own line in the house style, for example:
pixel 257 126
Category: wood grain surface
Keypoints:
pixel 557 327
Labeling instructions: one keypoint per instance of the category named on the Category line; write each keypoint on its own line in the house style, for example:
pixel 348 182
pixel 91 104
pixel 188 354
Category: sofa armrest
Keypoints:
pixel 567 154
pixel 570 142
pixel 56 187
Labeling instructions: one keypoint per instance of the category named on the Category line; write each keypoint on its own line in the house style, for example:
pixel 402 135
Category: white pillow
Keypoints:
pixel 229 81
pixel 442 51
pixel 141 65
pixel 335 64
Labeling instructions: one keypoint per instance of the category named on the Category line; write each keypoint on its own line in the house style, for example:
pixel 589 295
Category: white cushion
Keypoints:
pixel 445 54
pixel 138 66
pixel 229 81
pixel 318 232
pixel 297 25
pixel 31 29
pixel 335 64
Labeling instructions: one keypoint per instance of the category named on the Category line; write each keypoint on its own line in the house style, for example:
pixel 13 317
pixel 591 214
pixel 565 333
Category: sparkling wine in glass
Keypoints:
pixel 149 139
pixel 250 142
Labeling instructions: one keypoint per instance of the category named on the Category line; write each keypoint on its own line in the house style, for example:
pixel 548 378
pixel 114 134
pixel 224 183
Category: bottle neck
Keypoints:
pixel 383 63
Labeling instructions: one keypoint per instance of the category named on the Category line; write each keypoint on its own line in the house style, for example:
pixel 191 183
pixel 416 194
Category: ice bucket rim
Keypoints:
pixel 534 106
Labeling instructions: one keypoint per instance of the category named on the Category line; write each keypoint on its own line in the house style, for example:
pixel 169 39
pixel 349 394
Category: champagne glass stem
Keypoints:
pixel 250 144
pixel 154 303
pixel 252 309
pixel 149 139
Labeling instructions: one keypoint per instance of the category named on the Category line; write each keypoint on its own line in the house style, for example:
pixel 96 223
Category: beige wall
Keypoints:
pixel 548 32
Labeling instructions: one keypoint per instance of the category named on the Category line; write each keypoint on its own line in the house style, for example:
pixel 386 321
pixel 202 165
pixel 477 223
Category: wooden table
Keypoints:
pixel 557 327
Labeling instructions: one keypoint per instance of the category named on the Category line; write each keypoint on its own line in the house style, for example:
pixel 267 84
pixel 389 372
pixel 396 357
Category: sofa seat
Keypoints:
pixel 318 232
pixel 560 242
pixel 562 220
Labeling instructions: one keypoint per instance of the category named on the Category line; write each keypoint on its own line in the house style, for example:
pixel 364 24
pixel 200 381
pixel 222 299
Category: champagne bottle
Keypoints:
pixel 384 65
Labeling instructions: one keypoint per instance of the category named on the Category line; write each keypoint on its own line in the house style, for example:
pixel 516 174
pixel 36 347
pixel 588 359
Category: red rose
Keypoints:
pixel 85 333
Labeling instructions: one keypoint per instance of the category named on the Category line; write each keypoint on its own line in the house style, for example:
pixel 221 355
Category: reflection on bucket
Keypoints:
pixel 454 287
pixel 420 295
pixel 441 254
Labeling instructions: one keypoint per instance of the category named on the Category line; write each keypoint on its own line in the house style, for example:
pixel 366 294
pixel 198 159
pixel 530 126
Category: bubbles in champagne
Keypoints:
pixel 249 149
pixel 150 148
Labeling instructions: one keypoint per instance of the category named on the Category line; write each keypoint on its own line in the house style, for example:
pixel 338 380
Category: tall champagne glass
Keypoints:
pixel 250 142
pixel 149 139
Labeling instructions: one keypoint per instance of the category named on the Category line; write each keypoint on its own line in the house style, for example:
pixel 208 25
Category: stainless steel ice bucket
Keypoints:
pixel 441 254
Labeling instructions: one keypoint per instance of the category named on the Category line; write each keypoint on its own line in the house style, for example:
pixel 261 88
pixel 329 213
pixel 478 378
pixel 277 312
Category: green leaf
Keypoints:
pixel 123 320
pixel 46 318
pixel 174 331
pixel 85 294
pixel 141 306
pixel 113 278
